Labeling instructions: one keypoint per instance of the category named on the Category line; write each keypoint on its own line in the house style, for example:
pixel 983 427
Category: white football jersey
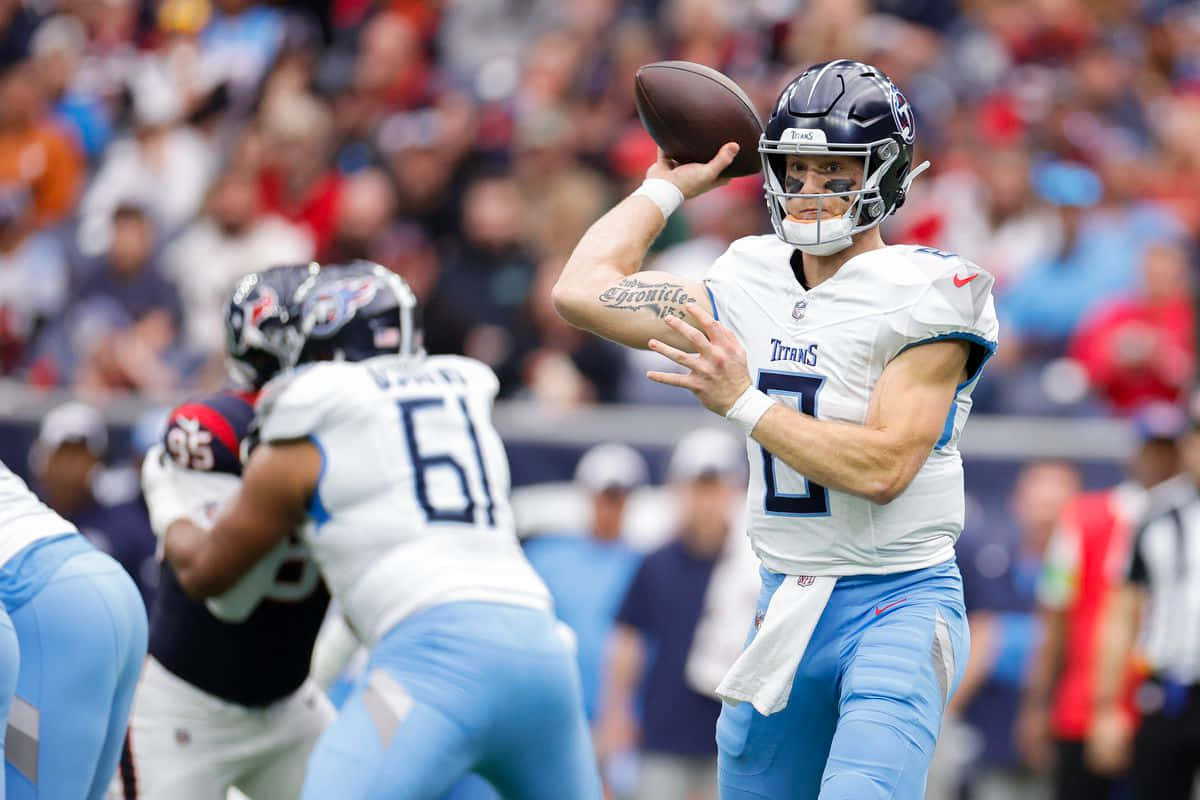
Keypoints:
pixel 23 518
pixel 821 351
pixel 412 508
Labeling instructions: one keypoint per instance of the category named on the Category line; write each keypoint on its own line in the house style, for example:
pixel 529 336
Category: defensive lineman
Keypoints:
pixel 225 700
pixel 401 482
pixel 849 364
pixel 80 631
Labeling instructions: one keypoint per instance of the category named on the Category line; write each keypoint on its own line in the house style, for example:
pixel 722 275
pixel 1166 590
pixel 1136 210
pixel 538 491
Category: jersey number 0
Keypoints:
pixel 814 502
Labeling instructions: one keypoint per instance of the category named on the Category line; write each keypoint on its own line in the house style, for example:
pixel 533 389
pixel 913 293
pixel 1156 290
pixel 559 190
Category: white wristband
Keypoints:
pixel 662 193
pixel 748 409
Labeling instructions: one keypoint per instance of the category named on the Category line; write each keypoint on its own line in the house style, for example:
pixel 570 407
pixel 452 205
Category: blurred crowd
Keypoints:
pixel 151 151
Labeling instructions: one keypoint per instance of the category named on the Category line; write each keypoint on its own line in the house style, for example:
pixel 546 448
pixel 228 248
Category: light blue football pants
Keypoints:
pixel 10 656
pixel 866 705
pixel 456 689
pixel 81 637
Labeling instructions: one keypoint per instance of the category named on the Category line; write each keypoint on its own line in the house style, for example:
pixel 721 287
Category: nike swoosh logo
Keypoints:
pixel 961 282
pixel 880 609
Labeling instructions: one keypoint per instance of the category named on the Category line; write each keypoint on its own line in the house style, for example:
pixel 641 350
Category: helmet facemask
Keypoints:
pixel 867 207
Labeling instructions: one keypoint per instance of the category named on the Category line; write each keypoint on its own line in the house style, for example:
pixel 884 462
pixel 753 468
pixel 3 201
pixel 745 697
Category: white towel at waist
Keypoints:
pixel 763 674
pixel 729 604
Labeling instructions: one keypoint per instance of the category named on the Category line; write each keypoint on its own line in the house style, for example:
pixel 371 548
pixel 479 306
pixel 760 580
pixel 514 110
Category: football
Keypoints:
pixel 690 110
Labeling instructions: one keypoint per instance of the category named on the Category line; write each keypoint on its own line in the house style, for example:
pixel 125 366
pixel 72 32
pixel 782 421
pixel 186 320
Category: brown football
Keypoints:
pixel 691 110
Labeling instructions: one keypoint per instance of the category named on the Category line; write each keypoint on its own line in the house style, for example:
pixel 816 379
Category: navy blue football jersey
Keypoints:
pixel 266 657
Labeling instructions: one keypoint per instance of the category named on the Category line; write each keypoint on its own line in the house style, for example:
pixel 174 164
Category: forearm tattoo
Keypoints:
pixel 662 299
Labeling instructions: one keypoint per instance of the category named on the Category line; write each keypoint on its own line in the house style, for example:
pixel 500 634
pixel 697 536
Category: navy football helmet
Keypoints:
pixel 840 108
pixel 356 310
pixel 260 333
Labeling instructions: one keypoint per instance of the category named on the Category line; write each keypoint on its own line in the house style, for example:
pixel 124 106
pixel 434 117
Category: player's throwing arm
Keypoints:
pixel 601 290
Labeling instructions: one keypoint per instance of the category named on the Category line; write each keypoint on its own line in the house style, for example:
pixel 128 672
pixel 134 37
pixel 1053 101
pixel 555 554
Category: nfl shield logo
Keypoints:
pixel 758 619
pixel 805 580
pixel 799 309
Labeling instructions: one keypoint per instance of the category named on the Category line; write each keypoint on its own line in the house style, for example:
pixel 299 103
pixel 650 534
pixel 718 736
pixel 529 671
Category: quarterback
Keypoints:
pixel 849 364
pixel 389 464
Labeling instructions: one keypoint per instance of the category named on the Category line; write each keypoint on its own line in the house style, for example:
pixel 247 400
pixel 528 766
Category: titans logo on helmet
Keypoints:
pixel 902 113
pixel 331 305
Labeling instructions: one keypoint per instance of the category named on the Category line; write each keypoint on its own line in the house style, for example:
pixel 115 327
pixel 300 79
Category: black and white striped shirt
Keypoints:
pixel 1165 561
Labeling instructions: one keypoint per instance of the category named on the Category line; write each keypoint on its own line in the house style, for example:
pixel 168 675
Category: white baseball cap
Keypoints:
pixel 611 466
pixel 707 452
pixel 73 422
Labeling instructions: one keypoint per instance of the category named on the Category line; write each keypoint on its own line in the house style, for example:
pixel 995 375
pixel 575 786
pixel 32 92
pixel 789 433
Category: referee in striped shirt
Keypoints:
pixel 1156 610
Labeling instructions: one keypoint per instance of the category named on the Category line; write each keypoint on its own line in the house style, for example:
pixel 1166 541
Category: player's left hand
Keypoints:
pixel 164 501
pixel 718 373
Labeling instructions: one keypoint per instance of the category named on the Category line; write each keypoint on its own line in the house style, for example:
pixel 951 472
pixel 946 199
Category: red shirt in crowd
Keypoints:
pixel 317 210
pixel 1084 561
pixel 1136 352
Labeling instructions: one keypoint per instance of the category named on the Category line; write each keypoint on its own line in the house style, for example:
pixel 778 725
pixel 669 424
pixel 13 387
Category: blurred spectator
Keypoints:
pixel 1153 606
pixel 34 152
pixel 487 276
pixel 231 239
pixel 1000 575
pixel 165 164
pixel 675 732
pixel 558 364
pixel 129 272
pixel 366 209
pixel 240 42
pixel 588 573
pixel 66 459
pixel 296 181
pixel 422 154
pixel 1142 348
pixel 988 214
pixel 33 278
pixel 57 48
pixel 124 319
pixel 1093 264
pixel 1082 564
pixel 391 71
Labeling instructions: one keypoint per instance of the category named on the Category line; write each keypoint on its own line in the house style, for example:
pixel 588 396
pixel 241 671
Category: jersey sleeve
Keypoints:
pixel 956 303
pixel 735 284
pixel 302 403
pixel 205 435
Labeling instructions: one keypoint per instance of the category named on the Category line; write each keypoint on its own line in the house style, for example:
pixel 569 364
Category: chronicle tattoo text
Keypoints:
pixel 663 299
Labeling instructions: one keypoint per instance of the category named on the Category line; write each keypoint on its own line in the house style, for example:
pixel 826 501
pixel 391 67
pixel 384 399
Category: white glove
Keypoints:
pixel 160 487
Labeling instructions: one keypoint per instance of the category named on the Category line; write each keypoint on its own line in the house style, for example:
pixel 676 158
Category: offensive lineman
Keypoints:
pixel 80 636
pixel 849 364
pixel 401 484
pixel 224 699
